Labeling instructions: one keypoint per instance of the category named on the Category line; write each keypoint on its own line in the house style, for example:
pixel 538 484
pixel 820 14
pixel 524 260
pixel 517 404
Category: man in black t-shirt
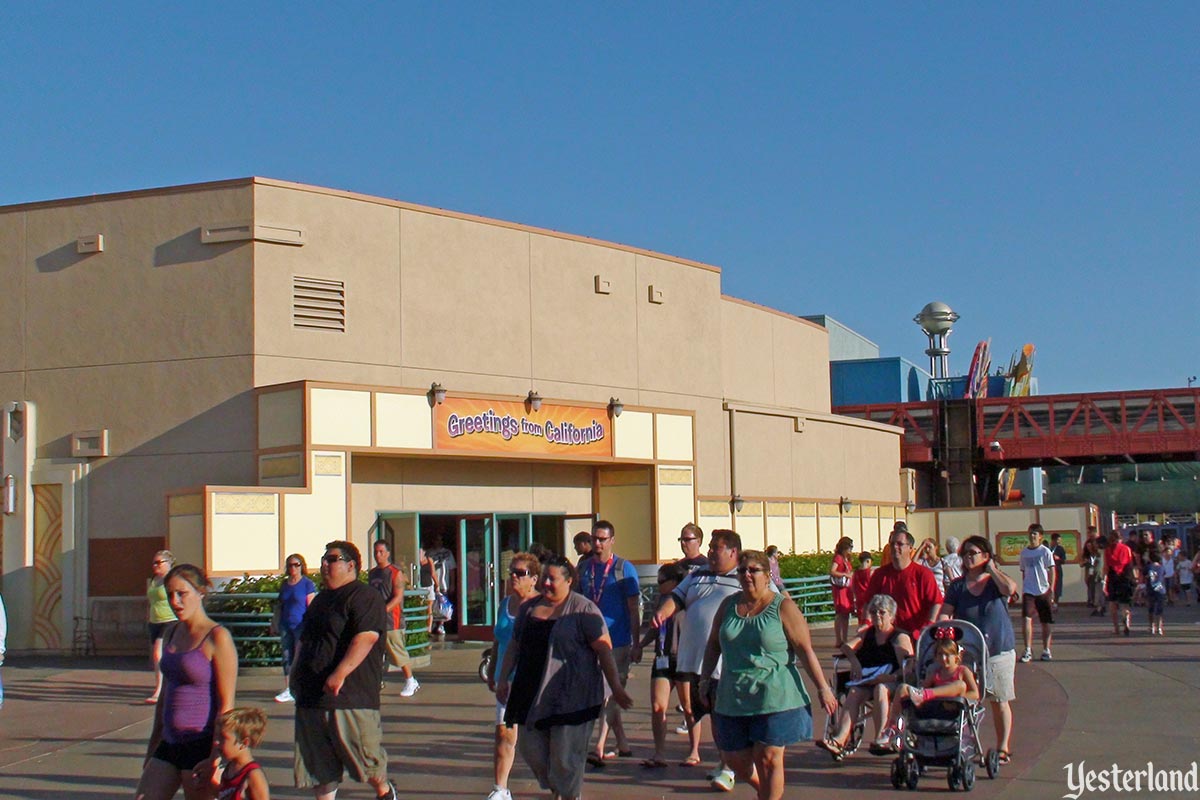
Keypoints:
pixel 691 539
pixel 336 681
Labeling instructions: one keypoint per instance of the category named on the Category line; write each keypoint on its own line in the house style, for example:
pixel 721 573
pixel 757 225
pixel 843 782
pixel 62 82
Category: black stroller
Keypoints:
pixel 945 732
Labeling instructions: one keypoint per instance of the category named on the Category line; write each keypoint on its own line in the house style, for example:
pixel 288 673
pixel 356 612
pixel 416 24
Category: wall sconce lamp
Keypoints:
pixel 10 494
pixel 910 506
pixel 737 502
pixel 534 400
pixel 437 393
pixel 615 406
pixel 845 505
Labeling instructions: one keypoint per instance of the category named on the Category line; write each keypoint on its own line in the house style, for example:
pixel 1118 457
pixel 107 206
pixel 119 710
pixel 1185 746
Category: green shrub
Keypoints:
pixel 808 565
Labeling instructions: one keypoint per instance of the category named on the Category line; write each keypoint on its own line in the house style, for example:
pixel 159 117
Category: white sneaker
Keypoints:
pixel 500 793
pixel 724 781
pixel 1026 657
pixel 410 688
pixel 682 730
pixel 1045 655
pixel 284 697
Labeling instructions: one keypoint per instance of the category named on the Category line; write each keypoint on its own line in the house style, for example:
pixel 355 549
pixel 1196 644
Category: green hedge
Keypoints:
pixel 809 565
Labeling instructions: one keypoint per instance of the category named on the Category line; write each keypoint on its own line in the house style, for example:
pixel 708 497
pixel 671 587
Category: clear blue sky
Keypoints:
pixel 1036 166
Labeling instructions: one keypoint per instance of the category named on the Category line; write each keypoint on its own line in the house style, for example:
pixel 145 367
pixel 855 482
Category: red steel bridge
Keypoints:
pixel 1150 425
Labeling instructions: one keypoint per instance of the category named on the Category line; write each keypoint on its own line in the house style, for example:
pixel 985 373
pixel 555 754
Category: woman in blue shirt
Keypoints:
pixel 296 592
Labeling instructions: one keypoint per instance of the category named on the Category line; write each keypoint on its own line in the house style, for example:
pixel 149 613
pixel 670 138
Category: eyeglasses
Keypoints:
pixel 293 564
pixel 971 553
pixel 520 573
pixel 750 570
pixel 330 558
pixel 159 561
pixel 879 612
pixel 601 538
pixel 688 539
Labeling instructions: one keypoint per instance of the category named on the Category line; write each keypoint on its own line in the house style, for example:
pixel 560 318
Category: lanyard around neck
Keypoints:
pixel 598 587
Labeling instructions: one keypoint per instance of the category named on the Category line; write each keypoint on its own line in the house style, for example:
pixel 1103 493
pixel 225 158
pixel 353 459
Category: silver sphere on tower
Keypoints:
pixel 937 320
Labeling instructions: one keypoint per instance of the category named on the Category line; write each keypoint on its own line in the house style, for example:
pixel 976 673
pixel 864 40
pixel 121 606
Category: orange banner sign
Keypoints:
pixel 501 426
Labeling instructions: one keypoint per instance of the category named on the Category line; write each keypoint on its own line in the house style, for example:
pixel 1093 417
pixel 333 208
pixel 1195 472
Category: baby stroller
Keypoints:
pixel 945 732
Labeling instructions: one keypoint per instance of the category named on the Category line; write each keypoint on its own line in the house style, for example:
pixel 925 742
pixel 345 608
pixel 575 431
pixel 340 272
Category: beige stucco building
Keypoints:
pixel 243 369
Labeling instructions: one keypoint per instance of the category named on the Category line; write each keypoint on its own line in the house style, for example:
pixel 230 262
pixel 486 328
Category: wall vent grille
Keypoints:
pixel 318 304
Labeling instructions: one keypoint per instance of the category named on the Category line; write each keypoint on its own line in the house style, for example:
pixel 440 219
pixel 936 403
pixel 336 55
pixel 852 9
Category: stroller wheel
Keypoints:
pixel 991 763
pixel 968 776
pixel 856 736
pixel 897 775
pixel 912 775
pixel 952 779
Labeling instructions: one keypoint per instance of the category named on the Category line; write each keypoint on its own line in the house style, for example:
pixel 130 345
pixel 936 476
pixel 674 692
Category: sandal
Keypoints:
pixel 611 754
pixel 832 747
pixel 653 763
pixel 1005 757
pixel 690 762
pixel 596 761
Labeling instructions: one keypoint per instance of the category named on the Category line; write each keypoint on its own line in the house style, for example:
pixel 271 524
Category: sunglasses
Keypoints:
pixel 329 558
pixel 691 539
pixel 601 538
pixel 521 573
pixel 750 570
pixel 969 553
pixel 157 563
pixel 293 563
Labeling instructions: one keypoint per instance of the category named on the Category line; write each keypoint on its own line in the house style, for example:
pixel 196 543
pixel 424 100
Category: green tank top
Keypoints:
pixel 758 672
pixel 160 607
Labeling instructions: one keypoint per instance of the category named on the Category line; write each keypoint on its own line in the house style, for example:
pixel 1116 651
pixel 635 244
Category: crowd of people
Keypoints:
pixel 724 636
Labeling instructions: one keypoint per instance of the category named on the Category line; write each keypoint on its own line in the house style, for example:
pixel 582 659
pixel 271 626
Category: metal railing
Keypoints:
pixel 247 617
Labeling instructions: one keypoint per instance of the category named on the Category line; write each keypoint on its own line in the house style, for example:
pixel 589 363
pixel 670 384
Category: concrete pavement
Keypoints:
pixel 75 727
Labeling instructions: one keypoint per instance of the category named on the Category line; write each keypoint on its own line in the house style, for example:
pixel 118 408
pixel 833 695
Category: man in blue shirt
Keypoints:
pixel 611 583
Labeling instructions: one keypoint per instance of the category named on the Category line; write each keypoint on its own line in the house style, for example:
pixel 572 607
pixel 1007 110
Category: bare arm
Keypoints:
pixel 667 606
pixel 795 627
pixel 1006 585
pixel 258 788
pixel 712 650
pixel 397 592
pixel 602 647
pixel 360 648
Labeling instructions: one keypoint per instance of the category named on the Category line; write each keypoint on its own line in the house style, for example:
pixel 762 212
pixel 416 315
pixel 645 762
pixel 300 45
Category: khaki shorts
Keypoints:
pixel 395 649
pixel 621 655
pixel 1000 676
pixel 331 743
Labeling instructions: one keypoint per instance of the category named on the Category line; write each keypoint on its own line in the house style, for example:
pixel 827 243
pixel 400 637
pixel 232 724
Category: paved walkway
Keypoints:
pixel 76 728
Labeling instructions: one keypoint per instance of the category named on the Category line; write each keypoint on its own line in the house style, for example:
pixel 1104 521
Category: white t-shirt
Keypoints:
pixel 1036 563
pixel 1184 569
pixel 700 593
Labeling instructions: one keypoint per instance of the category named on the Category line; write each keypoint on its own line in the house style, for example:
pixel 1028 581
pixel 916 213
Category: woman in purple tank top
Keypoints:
pixel 199 667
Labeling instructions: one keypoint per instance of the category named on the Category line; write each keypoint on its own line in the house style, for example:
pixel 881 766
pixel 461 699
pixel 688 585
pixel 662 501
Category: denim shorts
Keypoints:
pixel 778 729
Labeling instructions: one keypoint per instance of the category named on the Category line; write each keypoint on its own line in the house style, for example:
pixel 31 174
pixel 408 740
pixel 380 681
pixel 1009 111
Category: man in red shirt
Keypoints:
pixel 1120 578
pixel 916 592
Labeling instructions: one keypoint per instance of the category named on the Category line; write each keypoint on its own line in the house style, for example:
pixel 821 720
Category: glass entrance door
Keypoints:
pixel 477 577
pixel 402 531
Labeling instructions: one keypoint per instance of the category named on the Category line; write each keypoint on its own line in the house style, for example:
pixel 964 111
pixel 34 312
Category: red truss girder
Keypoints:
pixel 1045 427
pixel 919 421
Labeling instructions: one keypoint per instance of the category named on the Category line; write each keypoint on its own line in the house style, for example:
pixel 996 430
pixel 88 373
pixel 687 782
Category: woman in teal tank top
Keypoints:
pixel 761 704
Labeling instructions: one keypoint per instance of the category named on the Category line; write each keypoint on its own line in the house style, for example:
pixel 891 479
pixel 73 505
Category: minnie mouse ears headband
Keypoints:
pixel 947 634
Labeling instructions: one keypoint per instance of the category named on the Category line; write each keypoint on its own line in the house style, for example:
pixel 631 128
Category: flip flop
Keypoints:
pixel 595 761
pixel 653 763
pixel 618 754
pixel 885 748
pixel 150 701
pixel 690 762
pixel 1005 757
pixel 831 747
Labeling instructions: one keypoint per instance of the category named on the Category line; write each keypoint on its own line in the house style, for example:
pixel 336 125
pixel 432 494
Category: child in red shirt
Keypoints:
pixel 858 586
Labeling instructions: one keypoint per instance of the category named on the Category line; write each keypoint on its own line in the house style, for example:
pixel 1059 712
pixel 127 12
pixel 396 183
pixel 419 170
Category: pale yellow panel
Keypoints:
pixel 712 522
pixel 779 509
pixel 243 503
pixel 403 420
pixel 184 504
pixel 714 508
pixel 852 527
pixel 959 524
pixel 280 419
pixel 285 466
pixel 805 509
pixel 779 532
pixel 340 417
pixel 635 476
pixel 1008 520
pixel 805 534
pixel 1065 519
pixel 185 538
pixel 675 476
pixel 628 508
pixel 870 534
pixel 922 524
pixel 311 520
pixel 634 434
pixel 674 434
pixel 676 507
pixel 829 528
pixel 245 543
pixel 328 464
pixel 749 525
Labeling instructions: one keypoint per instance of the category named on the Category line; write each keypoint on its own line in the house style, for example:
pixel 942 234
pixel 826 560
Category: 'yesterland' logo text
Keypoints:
pixel 1080 779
